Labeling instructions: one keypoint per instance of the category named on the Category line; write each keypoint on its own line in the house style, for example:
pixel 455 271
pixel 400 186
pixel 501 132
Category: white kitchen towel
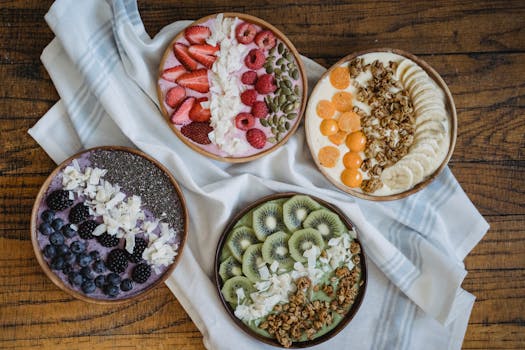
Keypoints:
pixel 104 66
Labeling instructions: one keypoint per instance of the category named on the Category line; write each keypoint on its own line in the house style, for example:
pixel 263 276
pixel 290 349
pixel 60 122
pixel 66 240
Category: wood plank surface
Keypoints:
pixel 477 46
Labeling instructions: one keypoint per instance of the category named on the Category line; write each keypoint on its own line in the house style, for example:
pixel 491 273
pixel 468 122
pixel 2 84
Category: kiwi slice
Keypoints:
pixel 303 240
pixel 296 209
pixel 229 289
pixel 225 253
pixel 251 261
pixel 230 268
pixel 239 240
pixel 267 219
pixel 326 222
pixel 275 248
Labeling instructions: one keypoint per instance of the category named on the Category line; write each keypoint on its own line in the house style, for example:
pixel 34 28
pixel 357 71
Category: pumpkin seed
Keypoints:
pixel 291 116
pixel 295 74
pixel 292 98
pixel 296 89
pixel 283 67
pixel 278 136
pixel 263 122
pixel 272 140
pixel 288 83
pixel 289 56
pixel 285 52
pixel 267 99
pixel 291 66
pixel 296 104
pixel 278 72
pixel 280 61
pixel 274 119
pixel 274 130
pixel 282 99
pixel 273 107
pixel 280 48
pixel 287 125
pixel 281 128
pixel 269 69
pixel 278 91
pixel 288 107
pixel 286 90
pixel 272 51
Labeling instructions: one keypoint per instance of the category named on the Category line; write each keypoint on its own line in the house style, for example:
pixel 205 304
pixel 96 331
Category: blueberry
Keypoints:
pixel 78 247
pixel 95 255
pixel 75 278
pixel 100 281
pixel 68 231
pixel 47 216
pixel 113 279
pixel 88 286
pixel 56 238
pixel 57 263
pixel 86 272
pixel 84 259
pixel 50 251
pixel 70 258
pixel 126 285
pixel 99 266
pixel 111 290
pixel 62 249
pixel 67 268
pixel 45 229
pixel 57 224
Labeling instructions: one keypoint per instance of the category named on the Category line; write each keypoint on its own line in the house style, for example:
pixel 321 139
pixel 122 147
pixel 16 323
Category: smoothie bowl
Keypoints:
pixel 290 270
pixel 381 124
pixel 109 224
pixel 232 87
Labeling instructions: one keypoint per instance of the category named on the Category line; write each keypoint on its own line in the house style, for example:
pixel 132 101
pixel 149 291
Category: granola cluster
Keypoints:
pixel 390 125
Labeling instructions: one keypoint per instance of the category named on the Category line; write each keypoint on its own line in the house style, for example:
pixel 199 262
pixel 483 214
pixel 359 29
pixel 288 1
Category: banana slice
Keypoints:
pixel 424 149
pixel 428 105
pixel 430 134
pixel 422 92
pixel 415 79
pixel 427 141
pixel 402 68
pixel 418 172
pixel 397 177
pixel 427 163
pixel 431 125
pixel 430 115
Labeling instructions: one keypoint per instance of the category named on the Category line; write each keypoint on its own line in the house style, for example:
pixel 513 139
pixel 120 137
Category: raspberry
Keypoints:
pixel 59 200
pixel 259 109
pixel 86 229
pixel 141 273
pixel 265 84
pixel 78 213
pixel 197 132
pixel 244 121
pixel 249 77
pixel 256 138
pixel 108 240
pixel 245 33
pixel 140 246
pixel 248 97
pixel 255 59
pixel 117 260
pixel 265 40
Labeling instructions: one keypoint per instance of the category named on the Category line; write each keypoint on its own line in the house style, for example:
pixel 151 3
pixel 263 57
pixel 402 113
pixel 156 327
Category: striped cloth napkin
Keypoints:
pixel 104 64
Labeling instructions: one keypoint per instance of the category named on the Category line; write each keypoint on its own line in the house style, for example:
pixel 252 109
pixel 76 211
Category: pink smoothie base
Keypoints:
pixel 165 85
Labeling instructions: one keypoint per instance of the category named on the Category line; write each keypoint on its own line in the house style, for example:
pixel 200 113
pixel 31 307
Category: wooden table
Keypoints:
pixel 477 46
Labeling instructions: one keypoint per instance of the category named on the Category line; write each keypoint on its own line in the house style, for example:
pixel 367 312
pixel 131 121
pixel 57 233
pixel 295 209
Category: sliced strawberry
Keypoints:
pixel 197 34
pixel 197 132
pixel 171 74
pixel 175 95
pixel 198 113
pixel 196 80
pixel 181 52
pixel 181 114
pixel 203 49
pixel 203 54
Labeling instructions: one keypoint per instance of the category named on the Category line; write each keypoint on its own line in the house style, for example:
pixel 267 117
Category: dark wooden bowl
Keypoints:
pixel 449 105
pixel 300 65
pixel 55 279
pixel 296 345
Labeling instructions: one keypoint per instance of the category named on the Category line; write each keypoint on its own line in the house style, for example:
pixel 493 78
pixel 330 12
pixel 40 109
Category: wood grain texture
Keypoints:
pixel 478 47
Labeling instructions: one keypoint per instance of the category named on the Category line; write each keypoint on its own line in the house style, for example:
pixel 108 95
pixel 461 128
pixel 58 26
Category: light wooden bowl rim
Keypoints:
pixel 453 127
pixel 54 277
pixel 262 23
pixel 347 317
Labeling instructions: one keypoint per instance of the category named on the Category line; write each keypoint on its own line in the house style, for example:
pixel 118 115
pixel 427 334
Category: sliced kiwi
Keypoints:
pixel 303 240
pixel 326 222
pixel 252 260
pixel 275 248
pixel 230 268
pixel 296 209
pixel 267 219
pixel 225 253
pixel 239 240
pixel 229 289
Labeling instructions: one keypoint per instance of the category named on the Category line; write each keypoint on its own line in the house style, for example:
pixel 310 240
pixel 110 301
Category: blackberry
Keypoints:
pixel 45 229
pixel 57 224
pixel 78 213
pixel 50 251
pixel 56 238
pixel 108 240
pixel 59 200
pixel 85 230
pixel 117 260
pixel 126 285
pixel 141 273
pixel 113 279
pixel 140 245
pixel 68 231
pixel 88 286
pixel 47 216
pixel 100 281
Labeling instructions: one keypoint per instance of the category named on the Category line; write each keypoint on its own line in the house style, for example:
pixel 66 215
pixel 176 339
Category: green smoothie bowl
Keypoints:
pixel 290 270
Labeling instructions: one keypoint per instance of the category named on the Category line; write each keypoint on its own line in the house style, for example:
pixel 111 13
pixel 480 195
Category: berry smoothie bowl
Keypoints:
pixel 232 87
pixel 109 224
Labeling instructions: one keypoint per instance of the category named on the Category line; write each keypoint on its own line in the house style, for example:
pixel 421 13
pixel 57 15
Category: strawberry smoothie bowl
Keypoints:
pixel 232 87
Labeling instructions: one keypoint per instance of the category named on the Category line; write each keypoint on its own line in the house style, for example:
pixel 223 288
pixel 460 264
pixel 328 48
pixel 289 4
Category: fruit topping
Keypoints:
pixel 99 266
pixel 244 121
pixel 245 32
pixel 88 286
pixel 352 160
pixel 342 101
pixel 100 281
pixel 268 219
pixel 249 77
pixel 57 224
pixel 113 279
pixel 295 211
pixel 182 113
pixel 251 260
pixel 338 138
pixel 68 231
pixel 198 113
pixel 230 268
pixel 126 285
pixel 141 273
pixel 84 259
pixel 181 52
pixel 231 286
pixel 259 109
pixel 356 141
pixel 265 84
pixel 75 278
pixel 95 255
pixel 352 177
pixel 140 246
pixel 111 290
pixel 349 121
pixel 197 132
pixel 59 200
pixel 325 109
pixel 196 80
pixel 171 74
pixel 265 40
pixel 329 127
pixel 326 222
pixel 328 156
pixel 302 240
pixel 45 229
pixel 78 213
pixel 47 216
pixel 86 272
pixel 117 260
pixel 86 229
pixel 50 251
pixel 77 247
pixel 275 248
pixel 197 34
pixel 107 240
pixel 175 96
pixel 56 238
pixel 254 59
pixel 248 97
pixel 256 138
pixel 239 240
pixel 57 263
pixel 204 54
pixel 340 78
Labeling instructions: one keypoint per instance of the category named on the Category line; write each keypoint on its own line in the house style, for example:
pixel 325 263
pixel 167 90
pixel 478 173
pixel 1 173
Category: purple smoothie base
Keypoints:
pixel 165 85
pixel 92 244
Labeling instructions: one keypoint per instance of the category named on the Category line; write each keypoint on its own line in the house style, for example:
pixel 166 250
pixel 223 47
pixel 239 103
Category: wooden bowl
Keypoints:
pixel 265 25
pixel 56 279
pixel 296 345
pixel 453 123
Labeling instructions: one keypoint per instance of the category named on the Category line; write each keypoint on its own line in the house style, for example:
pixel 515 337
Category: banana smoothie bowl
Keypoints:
pixel 290 270
pixel 381 124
